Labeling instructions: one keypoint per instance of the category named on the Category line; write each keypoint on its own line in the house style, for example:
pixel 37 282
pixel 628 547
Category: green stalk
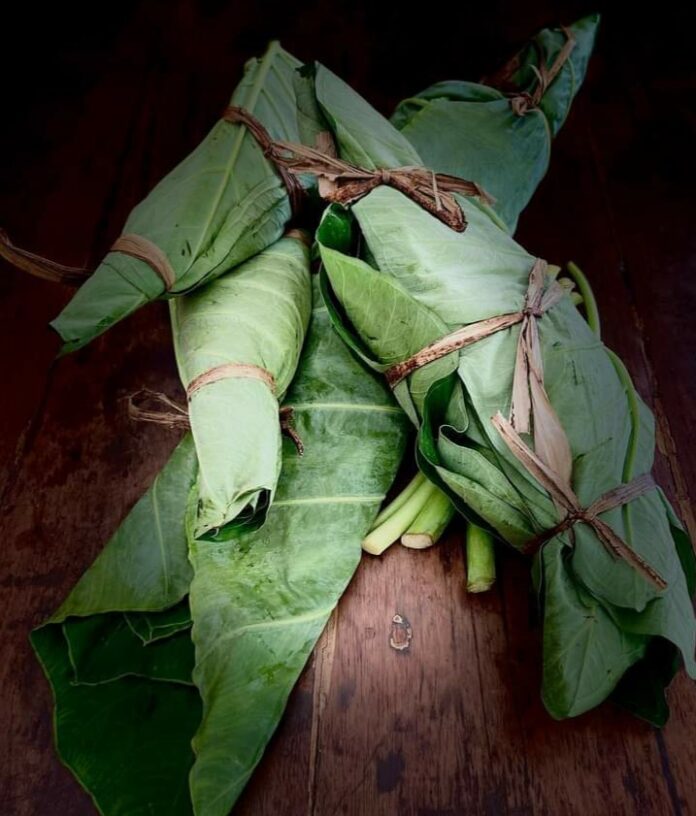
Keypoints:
pixel 480 559
pixel 591 309
pixel 400 500
pixel 429 525
pixel 383 536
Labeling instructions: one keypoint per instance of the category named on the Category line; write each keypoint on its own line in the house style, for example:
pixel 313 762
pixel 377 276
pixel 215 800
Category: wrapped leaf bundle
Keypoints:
pixel 224 203
pixel 499 134
pixel 423 282
pixel 174 655
pixel 237 344
pixel 134 683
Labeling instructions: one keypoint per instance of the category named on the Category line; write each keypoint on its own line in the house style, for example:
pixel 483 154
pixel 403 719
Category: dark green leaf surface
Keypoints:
pixel 127 742
pixel 125 711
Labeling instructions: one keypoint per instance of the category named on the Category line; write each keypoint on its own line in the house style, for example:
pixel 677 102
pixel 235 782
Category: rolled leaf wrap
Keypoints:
pixel 224 203
pixel 470 129
pixel 253 322
pixel 423 280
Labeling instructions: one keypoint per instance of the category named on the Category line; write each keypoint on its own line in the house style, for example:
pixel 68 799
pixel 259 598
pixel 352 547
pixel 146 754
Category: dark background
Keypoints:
pixel 99 102
pixel 54 54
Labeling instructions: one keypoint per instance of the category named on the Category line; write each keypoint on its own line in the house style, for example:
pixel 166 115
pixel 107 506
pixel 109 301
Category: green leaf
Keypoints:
pixel 585 653
pixel 126 710
pixel 144 567
pixel 127 742
pixel 460 278
pixel 256 316
pixel 369 297
pixel 475 138
pixel 104 648
pixel 125 714
pixel 470 130
pixel 642 688
pixel 151 626
pixel 223 203
pixel 260 600
pixel 364 136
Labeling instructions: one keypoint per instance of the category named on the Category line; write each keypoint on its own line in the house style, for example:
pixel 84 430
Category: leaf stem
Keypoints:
pixel 480 559
pixel 398 521
pixel 400 500
pixel 429 525
pixel 590 303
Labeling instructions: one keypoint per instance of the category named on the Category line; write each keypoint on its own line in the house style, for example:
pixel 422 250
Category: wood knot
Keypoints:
pixel 401 634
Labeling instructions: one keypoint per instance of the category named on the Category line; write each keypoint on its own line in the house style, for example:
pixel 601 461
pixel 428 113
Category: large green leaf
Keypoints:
pixel 126 710
pixel 145 566
pixel 260 600
pixel 364 136
pixel 221 205
pixel 359 287
pixel 119 652
pixel 127 741
pixel 257 316
pixel 585 653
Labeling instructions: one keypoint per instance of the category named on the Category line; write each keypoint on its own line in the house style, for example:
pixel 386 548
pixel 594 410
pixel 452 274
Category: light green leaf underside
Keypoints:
pixel 257 315
pixel 471 131
pixel 223 204
pixel 460 278
pixel 260 600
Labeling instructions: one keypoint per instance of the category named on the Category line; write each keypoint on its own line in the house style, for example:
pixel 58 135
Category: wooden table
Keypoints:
pixel 454 725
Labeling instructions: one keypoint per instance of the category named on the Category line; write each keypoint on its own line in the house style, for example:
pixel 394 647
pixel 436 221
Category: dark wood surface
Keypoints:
pixel 454 725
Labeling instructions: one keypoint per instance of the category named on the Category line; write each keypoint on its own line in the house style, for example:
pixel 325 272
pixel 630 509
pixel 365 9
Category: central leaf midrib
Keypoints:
pixel 249 104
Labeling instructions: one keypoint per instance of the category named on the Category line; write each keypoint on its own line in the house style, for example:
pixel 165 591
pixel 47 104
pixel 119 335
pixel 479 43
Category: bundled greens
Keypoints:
pixel 134 683
pixel 421 281
pixel 173 657
pixel 243 334
pixel 224 203
pixel 471 130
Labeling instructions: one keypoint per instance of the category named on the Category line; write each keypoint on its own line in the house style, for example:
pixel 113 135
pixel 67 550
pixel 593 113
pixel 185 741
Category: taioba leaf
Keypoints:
pixel 470 130
pixel 256 316
pixel 125 712
pixel 481 273
pixel 260 600
pixel 224 203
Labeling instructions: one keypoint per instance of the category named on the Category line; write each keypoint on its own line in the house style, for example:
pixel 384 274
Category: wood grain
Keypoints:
pixel 452 725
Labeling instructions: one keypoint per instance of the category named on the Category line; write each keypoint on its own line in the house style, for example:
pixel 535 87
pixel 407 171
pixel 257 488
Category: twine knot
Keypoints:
pixel 533 310
pixel 523 101
pixel 558 487
pixel 345 183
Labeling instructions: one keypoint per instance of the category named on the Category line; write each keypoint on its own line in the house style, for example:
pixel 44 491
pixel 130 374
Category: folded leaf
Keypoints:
pixel 470 130
pixel 224 203
pixel 260 600
pixel 119 653
pixel 125 710
pixel 256 316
